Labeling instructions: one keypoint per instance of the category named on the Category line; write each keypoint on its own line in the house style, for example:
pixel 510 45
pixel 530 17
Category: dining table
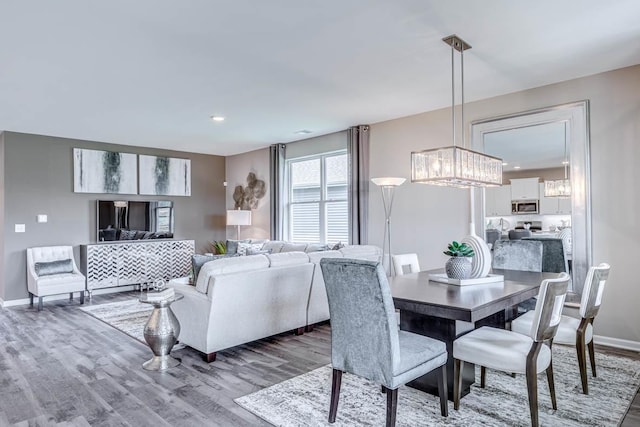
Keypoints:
pixel 446 311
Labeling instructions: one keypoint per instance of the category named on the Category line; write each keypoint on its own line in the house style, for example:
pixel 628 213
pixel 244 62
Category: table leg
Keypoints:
pixel 443 330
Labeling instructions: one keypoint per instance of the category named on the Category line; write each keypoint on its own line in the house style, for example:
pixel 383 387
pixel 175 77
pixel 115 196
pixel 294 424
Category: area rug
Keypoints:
pixel 304 400
pixel 127 316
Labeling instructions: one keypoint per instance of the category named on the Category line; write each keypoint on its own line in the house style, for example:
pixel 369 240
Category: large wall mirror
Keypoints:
pixel 547 144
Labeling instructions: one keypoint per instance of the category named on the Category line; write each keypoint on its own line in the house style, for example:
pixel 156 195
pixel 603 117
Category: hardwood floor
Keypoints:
pixel 63 367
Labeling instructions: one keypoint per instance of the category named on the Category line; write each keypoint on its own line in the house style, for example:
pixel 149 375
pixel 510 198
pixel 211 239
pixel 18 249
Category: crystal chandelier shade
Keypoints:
pixel 455 166
pixel 560 187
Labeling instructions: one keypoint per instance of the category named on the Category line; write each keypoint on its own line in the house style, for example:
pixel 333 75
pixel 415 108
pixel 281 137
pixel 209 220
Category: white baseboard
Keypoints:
pixel 26 301
pixel 617 342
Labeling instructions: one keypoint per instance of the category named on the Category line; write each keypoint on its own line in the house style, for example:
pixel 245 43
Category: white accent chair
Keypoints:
pixel 573 331
pixel 53 278
pixel 408 260
pixel 512 352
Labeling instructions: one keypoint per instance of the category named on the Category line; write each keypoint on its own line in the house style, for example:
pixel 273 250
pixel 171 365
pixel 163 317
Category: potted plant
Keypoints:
pixel 459 265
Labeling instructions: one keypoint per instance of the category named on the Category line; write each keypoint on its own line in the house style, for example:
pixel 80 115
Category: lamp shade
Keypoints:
pixel 238 217
pixel 456 167
pixel 388 181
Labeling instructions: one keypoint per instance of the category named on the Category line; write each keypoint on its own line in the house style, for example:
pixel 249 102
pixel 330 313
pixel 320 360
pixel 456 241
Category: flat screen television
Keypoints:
pixel 134 220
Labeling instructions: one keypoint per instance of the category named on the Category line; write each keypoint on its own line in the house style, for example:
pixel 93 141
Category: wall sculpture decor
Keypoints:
pixel 165 176
pixel 96 171
pixel 247 198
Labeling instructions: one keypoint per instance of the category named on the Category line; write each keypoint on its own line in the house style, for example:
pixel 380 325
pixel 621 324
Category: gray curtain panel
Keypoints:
pixel 358 151
pixel 277 162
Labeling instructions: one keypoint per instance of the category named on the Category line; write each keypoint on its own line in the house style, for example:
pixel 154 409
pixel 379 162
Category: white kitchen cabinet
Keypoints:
pixel 554 205
pixel 525 189
pixel 498 201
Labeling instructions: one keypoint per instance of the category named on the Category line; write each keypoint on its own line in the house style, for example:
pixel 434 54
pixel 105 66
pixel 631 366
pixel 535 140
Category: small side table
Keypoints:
pixel 161 333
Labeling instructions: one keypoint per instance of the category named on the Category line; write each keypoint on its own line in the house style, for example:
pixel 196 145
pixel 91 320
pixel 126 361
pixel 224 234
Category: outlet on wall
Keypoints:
pixel 20 228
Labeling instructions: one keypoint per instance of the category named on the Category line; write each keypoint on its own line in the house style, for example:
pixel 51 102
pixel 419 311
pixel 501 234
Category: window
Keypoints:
pixel 318 198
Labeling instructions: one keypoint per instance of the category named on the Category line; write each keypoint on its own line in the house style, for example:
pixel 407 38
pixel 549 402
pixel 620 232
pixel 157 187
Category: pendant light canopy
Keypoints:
pixel 560 187
pixel 456 166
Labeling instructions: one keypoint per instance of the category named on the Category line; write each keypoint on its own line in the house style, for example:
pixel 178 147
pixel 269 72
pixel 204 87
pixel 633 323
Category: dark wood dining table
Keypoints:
pixel 445 312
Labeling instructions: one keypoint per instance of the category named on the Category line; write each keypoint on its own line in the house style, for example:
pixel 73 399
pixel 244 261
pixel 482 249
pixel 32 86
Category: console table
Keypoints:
pixel 112 264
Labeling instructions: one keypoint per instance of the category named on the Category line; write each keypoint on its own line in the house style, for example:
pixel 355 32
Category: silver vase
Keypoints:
pixel 458 267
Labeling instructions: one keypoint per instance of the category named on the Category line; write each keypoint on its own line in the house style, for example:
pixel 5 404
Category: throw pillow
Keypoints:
pixel 53 267
pixel 252 251
pixel 127 234
pixel 197 261
pixel 244 247
pixel 232 245
pixel 337 246
pixel 316 247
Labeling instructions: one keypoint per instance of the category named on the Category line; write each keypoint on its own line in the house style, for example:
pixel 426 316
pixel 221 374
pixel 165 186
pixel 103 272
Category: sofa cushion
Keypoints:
pixel 315 257
pixel 288 258
pixel 365 252
pixel 316 247
pixel 275 246
pixel 293 247
pixel 245 248
pixel 53 267
pixel 232 245
pixel 228 265
pixel 197 261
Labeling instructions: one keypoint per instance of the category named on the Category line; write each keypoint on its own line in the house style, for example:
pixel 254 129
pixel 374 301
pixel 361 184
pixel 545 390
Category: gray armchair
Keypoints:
pixel 365 340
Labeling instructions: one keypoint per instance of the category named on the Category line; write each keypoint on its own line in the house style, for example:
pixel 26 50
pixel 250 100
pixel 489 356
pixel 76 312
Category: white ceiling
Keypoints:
pixel 152 72
pixel 531 147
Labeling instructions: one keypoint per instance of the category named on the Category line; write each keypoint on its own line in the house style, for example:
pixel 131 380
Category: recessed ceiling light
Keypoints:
pixel 303 132
pixel 516 167
pixel 217 118
pixel 504 163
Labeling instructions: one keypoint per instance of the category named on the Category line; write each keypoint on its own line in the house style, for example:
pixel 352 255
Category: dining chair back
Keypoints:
pixel 593 289
pixel 523 255
pixel 365 340
pixel 405 261
pixel 548 311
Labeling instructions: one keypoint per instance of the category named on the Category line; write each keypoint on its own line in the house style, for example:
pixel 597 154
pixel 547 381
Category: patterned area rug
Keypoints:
pixel 304 400
pixel 126 316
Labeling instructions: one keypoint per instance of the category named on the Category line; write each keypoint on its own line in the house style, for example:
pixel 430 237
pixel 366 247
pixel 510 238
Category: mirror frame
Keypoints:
pixel 576 115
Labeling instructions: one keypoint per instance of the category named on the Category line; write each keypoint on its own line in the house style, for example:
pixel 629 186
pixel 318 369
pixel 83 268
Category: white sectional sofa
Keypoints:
pixel 241 299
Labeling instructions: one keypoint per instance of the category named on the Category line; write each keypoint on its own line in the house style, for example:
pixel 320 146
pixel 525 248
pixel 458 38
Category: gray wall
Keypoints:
pixel 38 179
pixel 238 167
pixel 425 217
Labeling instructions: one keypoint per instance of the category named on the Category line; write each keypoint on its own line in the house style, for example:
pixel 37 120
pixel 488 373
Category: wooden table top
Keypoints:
pixel 415 292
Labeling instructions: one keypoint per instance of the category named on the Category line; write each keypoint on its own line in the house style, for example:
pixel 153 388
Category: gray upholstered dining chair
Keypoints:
pixel 573 331
pixel 512 352
pixel 408 261
pixel 492 235
pixel 365 340
pixel 523 255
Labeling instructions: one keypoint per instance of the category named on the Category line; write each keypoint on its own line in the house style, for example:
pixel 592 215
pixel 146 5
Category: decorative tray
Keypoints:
pixel 442 278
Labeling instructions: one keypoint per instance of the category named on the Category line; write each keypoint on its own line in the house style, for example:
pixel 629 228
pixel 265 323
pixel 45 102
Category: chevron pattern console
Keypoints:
pixel 108 265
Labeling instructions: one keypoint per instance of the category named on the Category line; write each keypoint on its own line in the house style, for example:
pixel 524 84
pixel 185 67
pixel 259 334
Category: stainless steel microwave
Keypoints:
pixel 521 207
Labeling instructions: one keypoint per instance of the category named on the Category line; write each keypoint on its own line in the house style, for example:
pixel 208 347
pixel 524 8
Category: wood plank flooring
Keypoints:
pixel 62 367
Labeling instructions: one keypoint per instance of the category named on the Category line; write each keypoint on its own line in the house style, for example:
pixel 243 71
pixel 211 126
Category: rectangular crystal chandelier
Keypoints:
pixel 560 187
pixel 557 188
pixel 456 167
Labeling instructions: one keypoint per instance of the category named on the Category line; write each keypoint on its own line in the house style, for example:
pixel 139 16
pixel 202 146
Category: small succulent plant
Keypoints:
pixel 456 249
pixel 219 247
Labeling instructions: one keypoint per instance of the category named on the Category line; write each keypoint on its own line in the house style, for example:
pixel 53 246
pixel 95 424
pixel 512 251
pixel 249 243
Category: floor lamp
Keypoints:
pixel 238 218
pixel 387 186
